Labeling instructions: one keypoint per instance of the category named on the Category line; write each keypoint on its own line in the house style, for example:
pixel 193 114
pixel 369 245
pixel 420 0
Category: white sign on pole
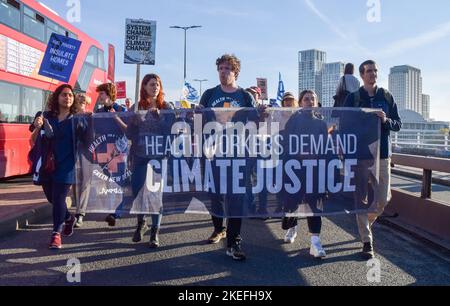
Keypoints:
pixel 140 42
pixel 262 84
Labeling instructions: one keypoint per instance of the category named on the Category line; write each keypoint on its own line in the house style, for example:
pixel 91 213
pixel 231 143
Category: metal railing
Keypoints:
pixel 422 215
pixel 428 164
pixel 421 140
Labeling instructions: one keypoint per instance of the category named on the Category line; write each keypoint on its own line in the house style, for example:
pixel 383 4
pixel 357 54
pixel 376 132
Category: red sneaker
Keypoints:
pixel 55 243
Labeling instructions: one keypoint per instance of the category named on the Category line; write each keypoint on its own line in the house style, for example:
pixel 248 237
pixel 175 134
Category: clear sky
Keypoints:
pixel 267 35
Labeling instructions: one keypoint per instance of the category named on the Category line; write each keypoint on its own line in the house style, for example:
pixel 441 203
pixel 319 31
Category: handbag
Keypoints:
pixel 42 157
pixel 50 162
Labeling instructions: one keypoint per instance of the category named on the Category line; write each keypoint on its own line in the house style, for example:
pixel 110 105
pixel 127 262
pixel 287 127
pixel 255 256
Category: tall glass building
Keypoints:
pixel 311 63
pixel 405 84
pixel 331 74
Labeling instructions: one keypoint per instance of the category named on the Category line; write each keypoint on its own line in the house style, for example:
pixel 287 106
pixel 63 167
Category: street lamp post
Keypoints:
pixel 200 81
pixel 185 36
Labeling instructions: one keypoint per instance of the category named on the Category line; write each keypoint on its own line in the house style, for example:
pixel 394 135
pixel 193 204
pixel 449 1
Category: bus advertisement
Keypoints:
pixel 25 29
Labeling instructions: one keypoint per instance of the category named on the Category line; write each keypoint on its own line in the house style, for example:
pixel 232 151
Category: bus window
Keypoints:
pixel 32 103
pixel 10 13
pixel 101 60
pixel 54 28
pixel 92 57
pixel 84 78
pixel 72 35
pixel 33 24
pixel 9 102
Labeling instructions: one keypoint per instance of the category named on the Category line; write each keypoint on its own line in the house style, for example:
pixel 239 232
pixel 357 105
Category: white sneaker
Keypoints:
pixel 291 235
pixel 317 250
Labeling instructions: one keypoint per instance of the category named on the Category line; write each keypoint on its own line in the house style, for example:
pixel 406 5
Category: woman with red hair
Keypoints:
pixel 152 94
pixel 151 99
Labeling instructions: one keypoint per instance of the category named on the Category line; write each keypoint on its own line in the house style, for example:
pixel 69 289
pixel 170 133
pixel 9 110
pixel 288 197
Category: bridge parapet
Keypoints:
pixel 428 217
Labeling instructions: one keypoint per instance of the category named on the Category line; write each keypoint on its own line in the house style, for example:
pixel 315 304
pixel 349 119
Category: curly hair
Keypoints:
pixel 143 102
pixel 53 102
pixel 109 89
pixel 233 61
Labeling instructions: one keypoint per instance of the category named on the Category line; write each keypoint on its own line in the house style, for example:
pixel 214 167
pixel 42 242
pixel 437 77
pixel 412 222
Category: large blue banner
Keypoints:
pixel 60 57
pixel 229 162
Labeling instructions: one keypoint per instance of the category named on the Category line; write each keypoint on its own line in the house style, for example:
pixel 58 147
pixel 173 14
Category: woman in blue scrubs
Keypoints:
pixel 53 129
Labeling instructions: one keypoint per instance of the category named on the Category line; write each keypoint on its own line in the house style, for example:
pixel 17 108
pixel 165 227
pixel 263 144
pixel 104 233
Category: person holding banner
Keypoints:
pixel 227 95
pixel 107 96
pixel 57 175
pixel 128 104
pixel 81 193
pixel 261 212
pixel 255 92
pixel 372 96
pixel 289 100
pixel 81 101
pixel 290 224
pixel 306 121
pixel 151 100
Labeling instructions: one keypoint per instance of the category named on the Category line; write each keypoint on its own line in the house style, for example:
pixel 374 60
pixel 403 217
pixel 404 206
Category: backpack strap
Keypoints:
pixel 357 99
pixel 388 97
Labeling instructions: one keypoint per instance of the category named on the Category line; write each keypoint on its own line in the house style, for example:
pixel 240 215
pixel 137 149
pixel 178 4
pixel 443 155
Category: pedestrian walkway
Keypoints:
pixel 19 196
pixel 438 175
pixel 108 257
pixel 439 192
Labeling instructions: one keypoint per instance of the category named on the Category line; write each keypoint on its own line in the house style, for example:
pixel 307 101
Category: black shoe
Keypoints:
pixel 216 237
pixel 111 220
pixel 141 229
pixel 154 239
pixel 236 252
pixel 79 222
pixel 367 251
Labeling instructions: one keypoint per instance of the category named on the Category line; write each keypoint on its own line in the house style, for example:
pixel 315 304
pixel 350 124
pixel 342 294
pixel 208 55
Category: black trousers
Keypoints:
pixel 233 229
pixel 314 224
pixel 56 194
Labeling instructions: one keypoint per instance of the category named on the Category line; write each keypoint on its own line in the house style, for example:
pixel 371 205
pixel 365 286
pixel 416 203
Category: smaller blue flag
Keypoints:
pixel 281 90
pixel 190 93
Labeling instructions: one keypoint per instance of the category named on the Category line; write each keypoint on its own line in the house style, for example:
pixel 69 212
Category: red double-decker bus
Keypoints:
pixel 25 28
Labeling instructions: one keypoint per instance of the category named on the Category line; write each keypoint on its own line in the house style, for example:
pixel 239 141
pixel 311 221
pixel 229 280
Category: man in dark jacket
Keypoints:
pixel 372 96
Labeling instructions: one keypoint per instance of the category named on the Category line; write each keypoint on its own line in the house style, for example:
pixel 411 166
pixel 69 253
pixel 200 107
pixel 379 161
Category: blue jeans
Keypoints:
pixel 156 220
pixel 137 183
pixel 119 210
pixel 314 225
